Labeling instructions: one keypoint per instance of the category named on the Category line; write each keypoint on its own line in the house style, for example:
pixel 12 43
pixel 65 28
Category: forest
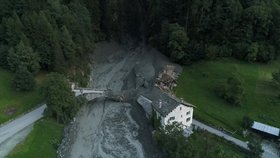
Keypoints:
pixel 192 30
pixel 58 35
pixel 48 36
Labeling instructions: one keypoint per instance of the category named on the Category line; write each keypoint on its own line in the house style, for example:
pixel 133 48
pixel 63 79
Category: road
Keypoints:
pixel 11 128
pixel 242 144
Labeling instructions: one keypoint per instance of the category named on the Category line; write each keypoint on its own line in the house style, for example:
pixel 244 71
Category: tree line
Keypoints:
pixel 246 29
pixel 55 35
pixel 191 30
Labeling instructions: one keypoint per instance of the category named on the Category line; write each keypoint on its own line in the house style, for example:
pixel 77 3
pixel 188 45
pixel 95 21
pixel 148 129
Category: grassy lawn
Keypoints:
pixel 211 146
pixel 198 82
pixel 41 142
pixel 13 103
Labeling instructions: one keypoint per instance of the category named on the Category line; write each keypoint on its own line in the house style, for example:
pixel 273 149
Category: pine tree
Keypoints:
pixel 14 30
pixel 3 56
pixel 23 55
pixel 5 8
pixel 78 21
pixel 59 63
pixel 67 44
pixel 23 80
pixel 40 33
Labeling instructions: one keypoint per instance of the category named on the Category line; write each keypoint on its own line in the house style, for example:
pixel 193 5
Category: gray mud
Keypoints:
pixel 109 129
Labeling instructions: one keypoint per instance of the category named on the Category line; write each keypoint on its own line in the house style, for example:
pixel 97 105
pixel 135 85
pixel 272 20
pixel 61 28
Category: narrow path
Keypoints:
pixel 242 144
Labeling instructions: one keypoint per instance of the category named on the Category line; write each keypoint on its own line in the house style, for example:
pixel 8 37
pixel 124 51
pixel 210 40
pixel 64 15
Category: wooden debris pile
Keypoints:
pixel 167 79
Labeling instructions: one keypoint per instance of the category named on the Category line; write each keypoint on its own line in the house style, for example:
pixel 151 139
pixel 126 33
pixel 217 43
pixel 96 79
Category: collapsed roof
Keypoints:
pixel 162 102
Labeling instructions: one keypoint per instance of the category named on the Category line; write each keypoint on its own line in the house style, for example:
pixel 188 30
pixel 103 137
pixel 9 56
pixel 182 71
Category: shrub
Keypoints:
pixel 240 50
pixel 155 121
pixel 232 90
pixel 255 147
pixel 266 53
pixel 212 51
pixel 247 122
pixel 252 52
pixel 276 78
pixel 61 101
pixel 173 142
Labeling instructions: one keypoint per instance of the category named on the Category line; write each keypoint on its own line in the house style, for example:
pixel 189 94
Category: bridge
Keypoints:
pixel 9 129
pixel 84 91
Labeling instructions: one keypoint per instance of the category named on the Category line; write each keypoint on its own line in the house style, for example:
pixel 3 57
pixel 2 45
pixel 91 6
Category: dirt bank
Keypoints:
pixel 106 128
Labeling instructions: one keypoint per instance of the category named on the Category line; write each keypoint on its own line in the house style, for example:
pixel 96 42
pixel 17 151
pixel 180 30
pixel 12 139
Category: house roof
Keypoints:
pixel 266 128
pixel 164 103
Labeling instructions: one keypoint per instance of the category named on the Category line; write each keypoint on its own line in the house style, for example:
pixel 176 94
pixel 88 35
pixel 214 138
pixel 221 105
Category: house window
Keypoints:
pixel 172 118
pixel 180 108
pixel 188 119
pixel 188 112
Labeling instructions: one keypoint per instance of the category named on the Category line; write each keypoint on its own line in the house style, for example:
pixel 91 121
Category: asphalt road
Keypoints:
pixel 15 126
pixel 242 144
pixel 11 128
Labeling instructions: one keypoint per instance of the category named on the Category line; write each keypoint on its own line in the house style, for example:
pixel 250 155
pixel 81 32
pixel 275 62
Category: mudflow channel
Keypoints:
pixel 110 129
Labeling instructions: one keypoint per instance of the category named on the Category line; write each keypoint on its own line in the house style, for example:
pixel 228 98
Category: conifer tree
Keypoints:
pixel 67 44
pixel 14 30
pixel 59 63
pixel 24 80
pixel 23 55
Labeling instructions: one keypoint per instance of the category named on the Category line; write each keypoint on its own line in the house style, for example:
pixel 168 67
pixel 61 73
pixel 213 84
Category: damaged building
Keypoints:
pixel 168 108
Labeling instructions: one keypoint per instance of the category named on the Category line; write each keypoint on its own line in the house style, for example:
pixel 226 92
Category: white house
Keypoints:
pixel 168 108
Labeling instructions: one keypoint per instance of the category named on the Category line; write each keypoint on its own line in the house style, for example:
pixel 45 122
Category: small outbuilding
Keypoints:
pixel 266 129
pixel 146 105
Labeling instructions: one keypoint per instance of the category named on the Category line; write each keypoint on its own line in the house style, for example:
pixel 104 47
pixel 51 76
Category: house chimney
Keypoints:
pixel 160 104
pixel 182 100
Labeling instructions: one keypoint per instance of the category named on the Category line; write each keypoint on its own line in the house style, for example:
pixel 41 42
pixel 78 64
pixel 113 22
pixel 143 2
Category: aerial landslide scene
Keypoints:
pixel 140 79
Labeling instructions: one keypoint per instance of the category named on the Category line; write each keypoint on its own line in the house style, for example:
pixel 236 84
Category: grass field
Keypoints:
pixel 41 142
pixel 198 82
pixel 211 146
pixel 13 103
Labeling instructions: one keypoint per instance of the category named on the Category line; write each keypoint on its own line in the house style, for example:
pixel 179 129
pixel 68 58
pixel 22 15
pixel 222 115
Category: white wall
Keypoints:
pixel 180 114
